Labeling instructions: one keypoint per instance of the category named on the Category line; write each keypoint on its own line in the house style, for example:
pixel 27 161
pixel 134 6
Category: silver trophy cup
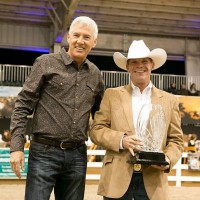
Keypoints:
pixel 150 129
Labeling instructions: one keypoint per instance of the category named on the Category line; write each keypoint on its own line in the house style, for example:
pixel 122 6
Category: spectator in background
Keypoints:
pixel 191 143
pixel 6 107
pixel 6 137
pixel 1 141
pixel 172 89
pixel 193 91
pixel 194 162
pixel 197 145
pixel 191 140
pixel 183 90
pixel 27 144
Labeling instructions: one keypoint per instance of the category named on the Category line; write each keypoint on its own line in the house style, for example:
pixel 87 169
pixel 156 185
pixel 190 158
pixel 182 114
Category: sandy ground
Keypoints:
pixel 16 192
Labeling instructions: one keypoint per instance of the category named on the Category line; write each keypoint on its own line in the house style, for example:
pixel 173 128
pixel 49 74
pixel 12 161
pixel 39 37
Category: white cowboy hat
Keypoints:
pixel 138 49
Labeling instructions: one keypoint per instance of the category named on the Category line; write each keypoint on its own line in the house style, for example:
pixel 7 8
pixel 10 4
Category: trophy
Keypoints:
pixel 150 129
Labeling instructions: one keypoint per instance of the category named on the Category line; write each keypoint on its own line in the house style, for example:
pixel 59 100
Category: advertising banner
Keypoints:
pixel 5 167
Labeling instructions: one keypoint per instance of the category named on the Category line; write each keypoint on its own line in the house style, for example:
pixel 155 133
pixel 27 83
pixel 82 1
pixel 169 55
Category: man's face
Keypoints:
pixel 81 41
pixel 140 71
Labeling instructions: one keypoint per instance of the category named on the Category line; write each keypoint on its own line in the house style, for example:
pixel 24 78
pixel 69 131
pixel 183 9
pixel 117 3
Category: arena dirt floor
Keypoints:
pixel 16 192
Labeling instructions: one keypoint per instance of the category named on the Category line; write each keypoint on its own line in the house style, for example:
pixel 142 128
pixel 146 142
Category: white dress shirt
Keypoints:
pixel 138 100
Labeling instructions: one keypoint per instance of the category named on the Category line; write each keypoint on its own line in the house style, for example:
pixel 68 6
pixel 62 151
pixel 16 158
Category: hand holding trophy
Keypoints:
pixel 150 129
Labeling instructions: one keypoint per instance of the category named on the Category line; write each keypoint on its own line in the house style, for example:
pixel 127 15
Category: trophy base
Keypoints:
pixel 148 158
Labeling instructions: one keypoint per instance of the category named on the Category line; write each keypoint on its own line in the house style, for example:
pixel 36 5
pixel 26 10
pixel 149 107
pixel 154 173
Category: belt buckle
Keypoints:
pixel 137 167
pixel 62 146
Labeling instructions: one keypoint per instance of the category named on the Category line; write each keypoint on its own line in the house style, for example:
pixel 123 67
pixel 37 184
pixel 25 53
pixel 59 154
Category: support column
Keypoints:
pixel 57 47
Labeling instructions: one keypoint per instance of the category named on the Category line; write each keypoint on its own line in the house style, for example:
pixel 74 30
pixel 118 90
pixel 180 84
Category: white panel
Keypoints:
pixel 120 42
pixel 171 45
pixel 193 47
pixel 109 41
pixel 24 36
pixel 17 35
pixel 29 36
pixel 193 65
pixel 9 34
pixel 4 31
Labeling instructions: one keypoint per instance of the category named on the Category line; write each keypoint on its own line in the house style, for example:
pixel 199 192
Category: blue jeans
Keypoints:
pixel 53 168
pixel 135 191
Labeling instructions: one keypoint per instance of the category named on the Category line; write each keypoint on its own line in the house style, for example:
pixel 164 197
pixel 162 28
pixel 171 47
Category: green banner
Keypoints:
pixel 5 167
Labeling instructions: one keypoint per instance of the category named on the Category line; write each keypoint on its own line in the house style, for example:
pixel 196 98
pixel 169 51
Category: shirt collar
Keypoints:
pixel 68 60
pixel 146 91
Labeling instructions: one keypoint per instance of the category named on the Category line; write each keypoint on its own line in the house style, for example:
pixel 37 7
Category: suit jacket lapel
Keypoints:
pixel 126 100
pixel 156 96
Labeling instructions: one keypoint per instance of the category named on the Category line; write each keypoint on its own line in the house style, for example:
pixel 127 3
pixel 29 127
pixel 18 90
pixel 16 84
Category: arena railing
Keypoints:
pixel 178 176
pixel 162 81
pixel 15 75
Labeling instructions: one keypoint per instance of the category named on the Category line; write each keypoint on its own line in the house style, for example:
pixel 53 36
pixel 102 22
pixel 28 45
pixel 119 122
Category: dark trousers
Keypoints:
pixel 135 191
pixel 53 168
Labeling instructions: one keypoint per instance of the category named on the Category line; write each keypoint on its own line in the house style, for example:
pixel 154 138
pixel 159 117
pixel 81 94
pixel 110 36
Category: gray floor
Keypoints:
pixel 16 192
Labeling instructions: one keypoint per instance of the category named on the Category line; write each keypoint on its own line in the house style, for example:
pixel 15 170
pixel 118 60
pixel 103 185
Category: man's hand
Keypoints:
pixel 132 143
pixel 162 167
pixel 17 162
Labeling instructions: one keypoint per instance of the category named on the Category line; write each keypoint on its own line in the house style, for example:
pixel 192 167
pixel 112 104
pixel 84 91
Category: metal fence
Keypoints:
pixel 114 79
pixel 15 75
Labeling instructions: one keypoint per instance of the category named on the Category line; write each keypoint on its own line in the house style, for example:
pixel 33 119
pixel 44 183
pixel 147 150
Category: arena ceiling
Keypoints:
pixel 176 18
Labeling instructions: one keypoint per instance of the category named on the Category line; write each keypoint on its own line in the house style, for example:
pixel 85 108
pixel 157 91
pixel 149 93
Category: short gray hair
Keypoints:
pixel 85 21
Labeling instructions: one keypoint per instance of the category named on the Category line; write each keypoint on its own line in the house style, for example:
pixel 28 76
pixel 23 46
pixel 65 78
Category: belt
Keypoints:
pixel 137 168
pixel 62 145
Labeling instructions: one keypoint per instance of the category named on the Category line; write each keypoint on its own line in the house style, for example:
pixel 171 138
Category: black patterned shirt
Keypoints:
pixel 60 96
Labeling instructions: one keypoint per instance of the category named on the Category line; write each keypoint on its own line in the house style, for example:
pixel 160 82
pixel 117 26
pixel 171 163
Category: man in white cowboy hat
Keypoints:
pixel 114 129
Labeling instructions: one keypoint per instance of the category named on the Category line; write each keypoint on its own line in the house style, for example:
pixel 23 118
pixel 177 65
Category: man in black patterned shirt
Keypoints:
pixel 61 91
